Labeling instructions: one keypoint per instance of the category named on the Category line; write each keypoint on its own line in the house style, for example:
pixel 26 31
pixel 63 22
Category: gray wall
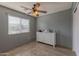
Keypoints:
pixel 73 5
pixel 10 41
pixel 60 22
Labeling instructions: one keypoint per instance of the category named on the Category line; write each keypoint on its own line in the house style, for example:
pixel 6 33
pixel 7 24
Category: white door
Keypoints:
pixel 76 31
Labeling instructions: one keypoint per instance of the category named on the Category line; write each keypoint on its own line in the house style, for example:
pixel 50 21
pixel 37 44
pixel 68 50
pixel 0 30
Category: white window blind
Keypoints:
pixel 17 25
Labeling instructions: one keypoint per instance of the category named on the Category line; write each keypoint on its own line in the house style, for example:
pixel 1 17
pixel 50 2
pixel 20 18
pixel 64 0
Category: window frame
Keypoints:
pixel 19 31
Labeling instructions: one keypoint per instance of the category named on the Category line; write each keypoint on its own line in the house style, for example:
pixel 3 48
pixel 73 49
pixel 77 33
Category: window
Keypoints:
pixel 17 25
pixel 25 25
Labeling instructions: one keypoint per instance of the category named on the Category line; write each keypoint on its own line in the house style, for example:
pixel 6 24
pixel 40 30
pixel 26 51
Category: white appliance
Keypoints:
pixel 47 37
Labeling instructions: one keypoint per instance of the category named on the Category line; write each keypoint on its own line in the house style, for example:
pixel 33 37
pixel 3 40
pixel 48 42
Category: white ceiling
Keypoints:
pixel 50 7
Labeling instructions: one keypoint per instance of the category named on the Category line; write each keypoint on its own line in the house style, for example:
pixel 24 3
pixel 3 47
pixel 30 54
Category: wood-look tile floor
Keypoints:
pixel 38 49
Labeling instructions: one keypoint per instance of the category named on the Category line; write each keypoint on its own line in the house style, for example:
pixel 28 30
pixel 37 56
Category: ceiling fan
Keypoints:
pixel 34 10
